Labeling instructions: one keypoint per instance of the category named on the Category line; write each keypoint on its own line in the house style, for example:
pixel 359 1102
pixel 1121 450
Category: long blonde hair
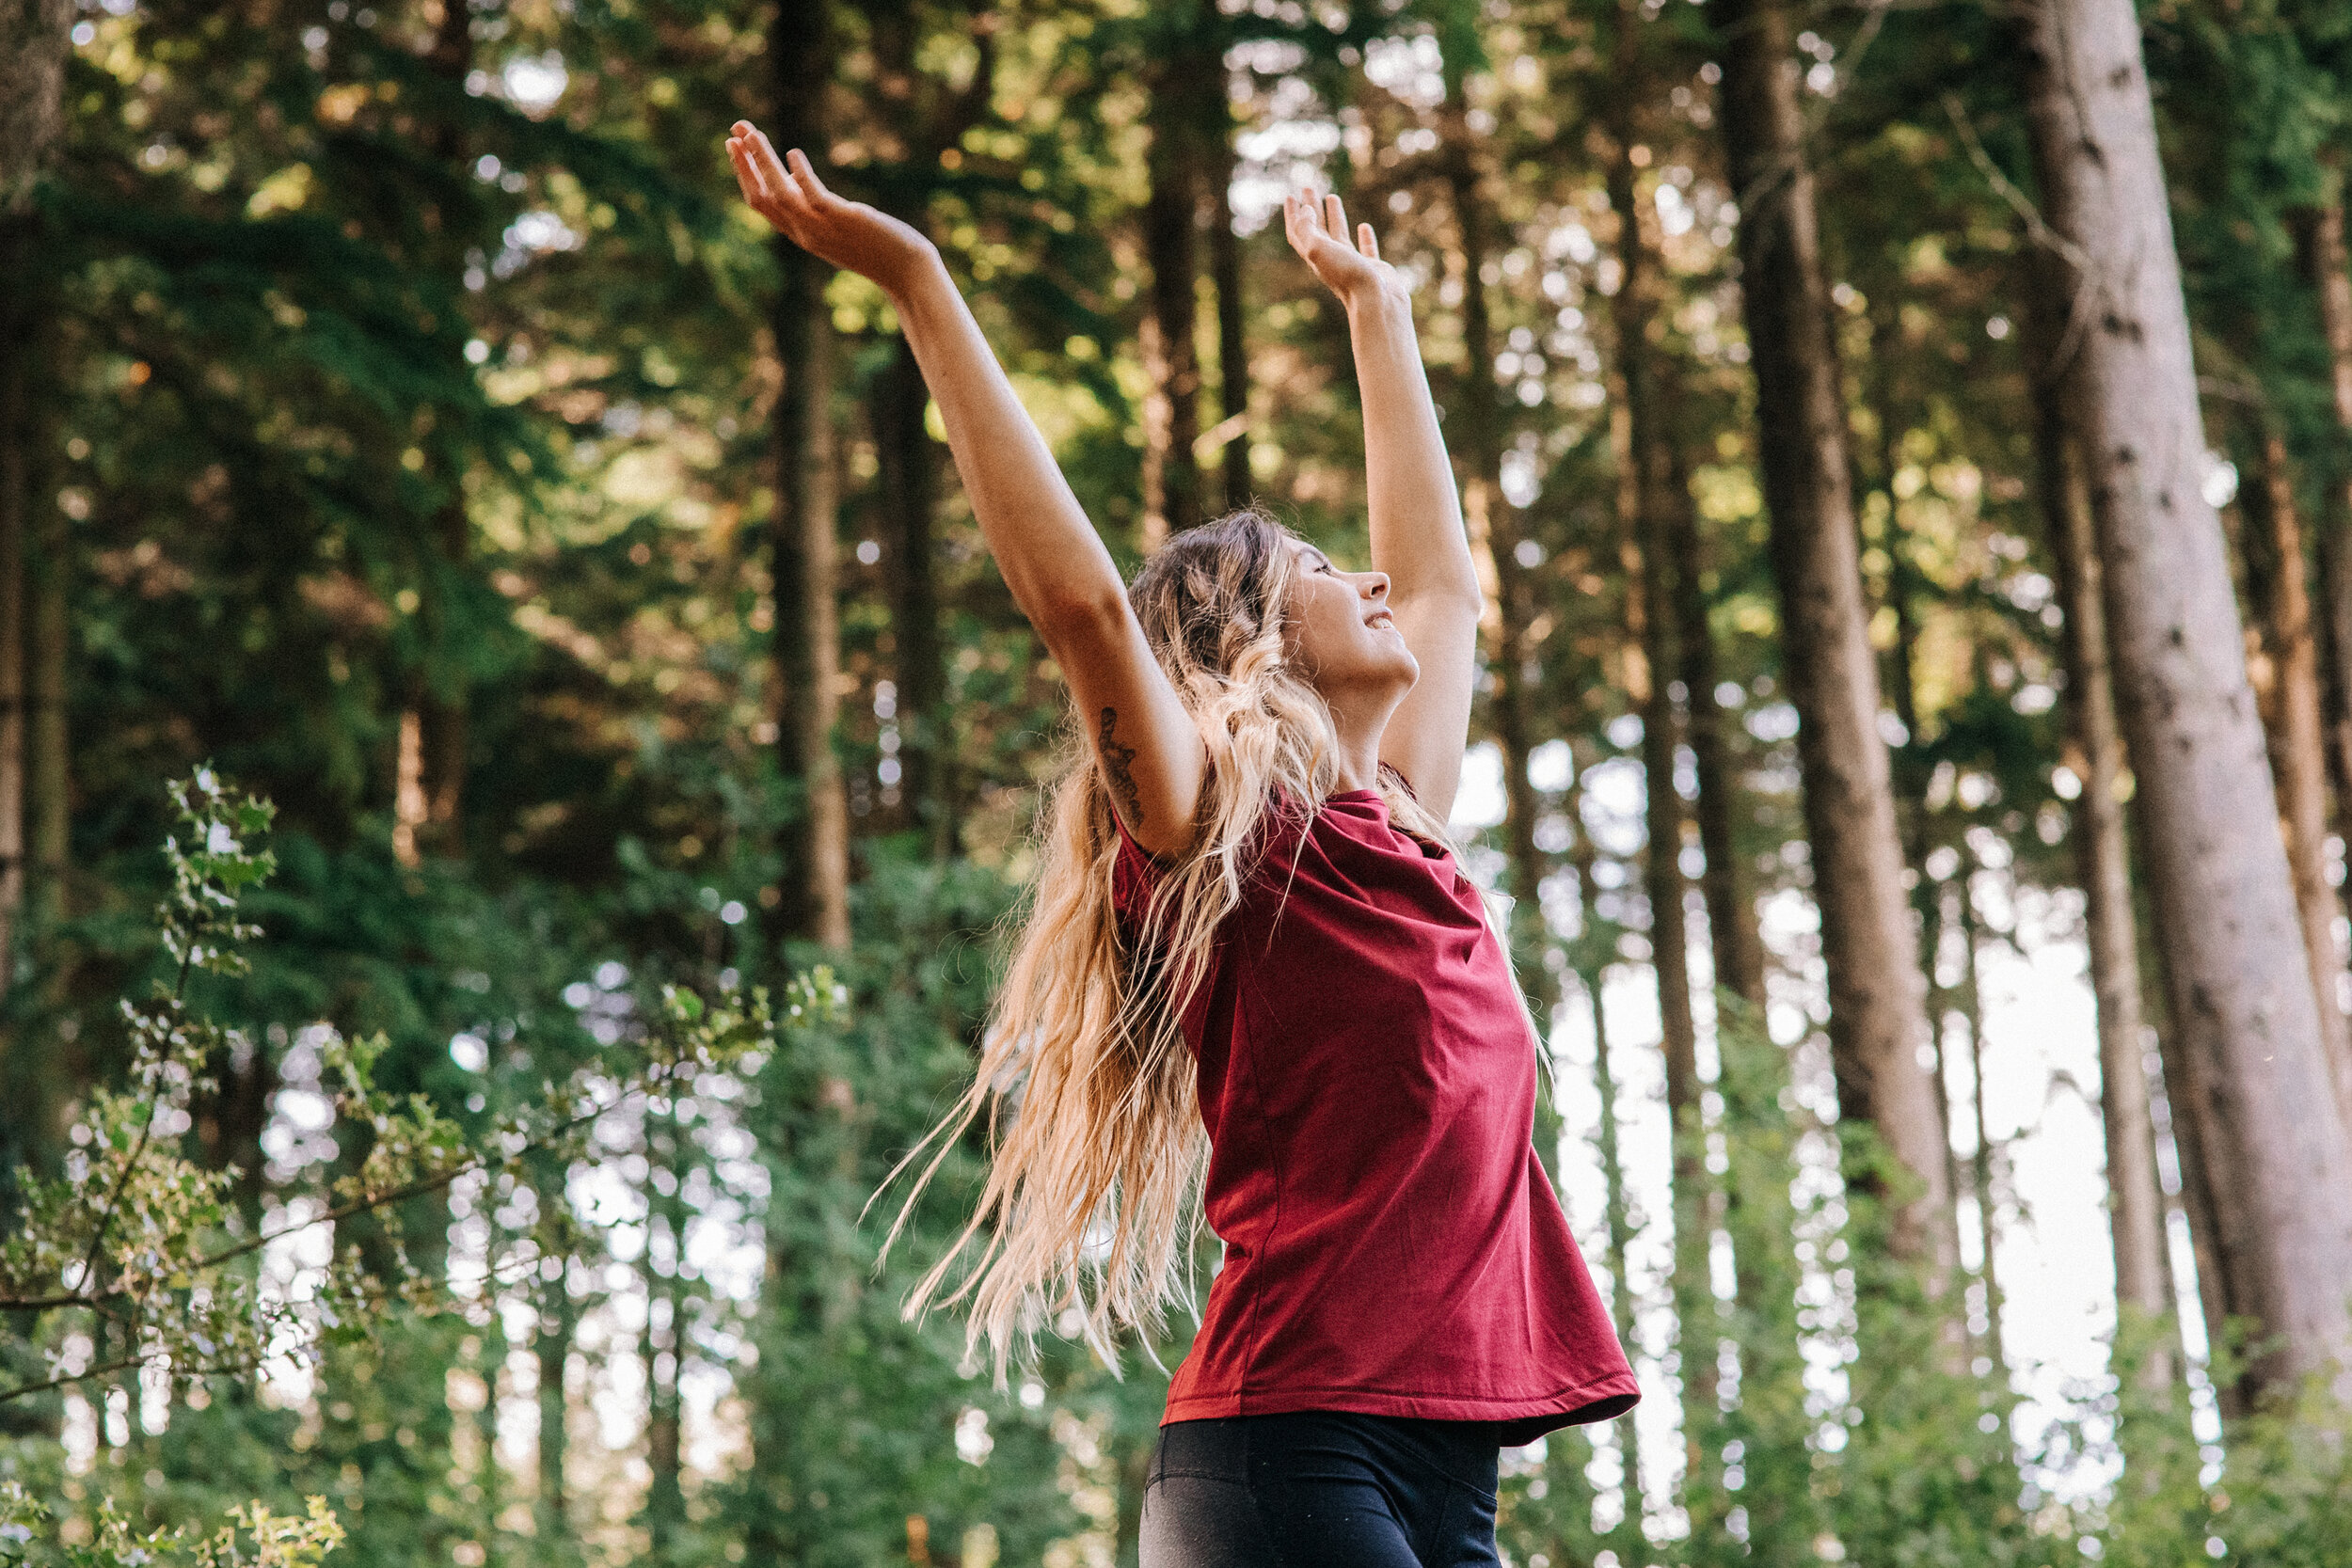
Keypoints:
pixel 1097 1151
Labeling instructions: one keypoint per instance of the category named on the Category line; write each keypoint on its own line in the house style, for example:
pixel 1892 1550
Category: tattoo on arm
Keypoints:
pixel 1115 769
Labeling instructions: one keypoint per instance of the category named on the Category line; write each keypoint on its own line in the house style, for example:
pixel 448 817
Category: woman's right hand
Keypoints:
pixel 849 234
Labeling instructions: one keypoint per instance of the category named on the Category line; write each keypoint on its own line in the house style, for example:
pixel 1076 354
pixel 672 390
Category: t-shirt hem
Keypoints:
pixel 1596 1400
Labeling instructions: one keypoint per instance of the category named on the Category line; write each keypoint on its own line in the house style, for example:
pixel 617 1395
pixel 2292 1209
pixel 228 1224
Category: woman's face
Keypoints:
pixel 1341 631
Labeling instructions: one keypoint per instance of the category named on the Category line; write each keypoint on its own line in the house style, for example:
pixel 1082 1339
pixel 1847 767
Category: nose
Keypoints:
pixel 1376 585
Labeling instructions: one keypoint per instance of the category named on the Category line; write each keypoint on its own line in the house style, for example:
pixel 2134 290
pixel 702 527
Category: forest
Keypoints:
pixel 516 766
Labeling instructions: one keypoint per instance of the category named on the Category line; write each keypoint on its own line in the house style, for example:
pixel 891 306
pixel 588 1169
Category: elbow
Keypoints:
pixel 1084 619
pixel 1463 597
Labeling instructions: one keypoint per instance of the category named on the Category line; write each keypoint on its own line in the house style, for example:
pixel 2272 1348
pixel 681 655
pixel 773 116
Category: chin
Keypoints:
pixel 1406 671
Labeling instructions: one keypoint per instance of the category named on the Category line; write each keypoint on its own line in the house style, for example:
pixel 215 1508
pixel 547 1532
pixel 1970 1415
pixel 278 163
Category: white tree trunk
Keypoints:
pixel 2225 909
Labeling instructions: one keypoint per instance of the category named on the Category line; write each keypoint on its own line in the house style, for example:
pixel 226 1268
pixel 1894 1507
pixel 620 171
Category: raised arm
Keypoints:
pixel 1060 575
pixel 1417 537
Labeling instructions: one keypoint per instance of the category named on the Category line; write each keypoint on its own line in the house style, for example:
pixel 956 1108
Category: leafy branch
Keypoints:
pixel 253 1538
pixel 144 1246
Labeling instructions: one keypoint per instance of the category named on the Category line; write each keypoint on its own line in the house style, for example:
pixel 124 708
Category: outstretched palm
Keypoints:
pixel 849 234
pixel 1317 229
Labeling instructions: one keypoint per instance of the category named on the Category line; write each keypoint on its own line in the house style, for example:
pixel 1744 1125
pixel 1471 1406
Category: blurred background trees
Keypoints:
pixel 1919 605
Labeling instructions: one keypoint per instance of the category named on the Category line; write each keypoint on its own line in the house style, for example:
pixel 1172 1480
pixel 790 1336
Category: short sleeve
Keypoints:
pixel 1134 875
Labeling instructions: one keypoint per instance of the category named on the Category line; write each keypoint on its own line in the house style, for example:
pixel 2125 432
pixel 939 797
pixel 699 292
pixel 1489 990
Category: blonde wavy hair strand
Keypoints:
pixel 1097 1152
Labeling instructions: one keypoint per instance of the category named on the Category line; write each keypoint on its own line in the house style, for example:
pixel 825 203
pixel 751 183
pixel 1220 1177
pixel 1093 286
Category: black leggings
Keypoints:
pixel 1321 1487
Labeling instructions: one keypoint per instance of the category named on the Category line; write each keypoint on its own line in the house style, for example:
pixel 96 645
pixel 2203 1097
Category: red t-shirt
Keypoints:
pixel 1366 1072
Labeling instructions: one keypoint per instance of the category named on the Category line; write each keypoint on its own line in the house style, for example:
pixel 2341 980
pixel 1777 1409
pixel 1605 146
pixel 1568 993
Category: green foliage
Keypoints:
pixel 138 1259
pixel 254 1538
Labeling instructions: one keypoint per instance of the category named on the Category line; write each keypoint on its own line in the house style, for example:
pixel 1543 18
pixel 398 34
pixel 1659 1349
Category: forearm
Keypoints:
pixel 1051 557
pixel 1417 537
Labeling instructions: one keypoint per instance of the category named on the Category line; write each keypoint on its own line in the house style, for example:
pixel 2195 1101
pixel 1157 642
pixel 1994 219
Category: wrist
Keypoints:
pixel 923 277
pixel 1383 297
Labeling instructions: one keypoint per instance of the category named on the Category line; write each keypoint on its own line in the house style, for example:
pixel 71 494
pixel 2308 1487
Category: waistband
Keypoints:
pixel 1230 1448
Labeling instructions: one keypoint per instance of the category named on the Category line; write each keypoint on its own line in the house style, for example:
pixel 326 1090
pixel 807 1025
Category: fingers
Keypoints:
pixel 1300 223
pixel 791 196
pixel 747 179
pixel 1308 217
pixel 765 184
pixel 746 172
pixel 772 174
pixel 805 174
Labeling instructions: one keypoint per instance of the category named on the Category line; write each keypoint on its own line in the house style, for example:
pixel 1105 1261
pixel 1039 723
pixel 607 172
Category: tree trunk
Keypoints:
pixel 490 1479
pixel 930 120
pixel 2320 243
pixel 1646 443
pixel 1668 932
pixel 1232 343
pixel 1632 311
pixel 553 1345
pixel 409 780
pixel 1915 822
pixel 665 1344
pixel 47 779
pixel 1477 419
pixel 442 709
pixel 1935 921
pixel 2102 864
pixel 2222 1290
pixel 1171 218
pixel 2223 897
pixel 2286 694
pixel 33 47
pixel 1980 1165
pixel 1877 1019
pixel 910 485
pixel 815 903
pixel 1620 1230
pixel 444 712
pixel 1731 923
pixel 19 331
pixel 1590 974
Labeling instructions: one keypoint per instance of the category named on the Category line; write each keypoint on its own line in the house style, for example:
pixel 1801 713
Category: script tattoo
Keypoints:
pixel 1115 760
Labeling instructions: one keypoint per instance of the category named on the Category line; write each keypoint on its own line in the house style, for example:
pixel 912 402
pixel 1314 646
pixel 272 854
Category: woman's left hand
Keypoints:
pixel 1317 228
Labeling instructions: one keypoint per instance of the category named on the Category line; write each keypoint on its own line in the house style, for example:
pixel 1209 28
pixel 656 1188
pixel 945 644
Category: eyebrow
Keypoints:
pixel 1319 556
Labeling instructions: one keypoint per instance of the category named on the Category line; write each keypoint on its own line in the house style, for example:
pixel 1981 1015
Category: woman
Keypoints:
pixel 1253 975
